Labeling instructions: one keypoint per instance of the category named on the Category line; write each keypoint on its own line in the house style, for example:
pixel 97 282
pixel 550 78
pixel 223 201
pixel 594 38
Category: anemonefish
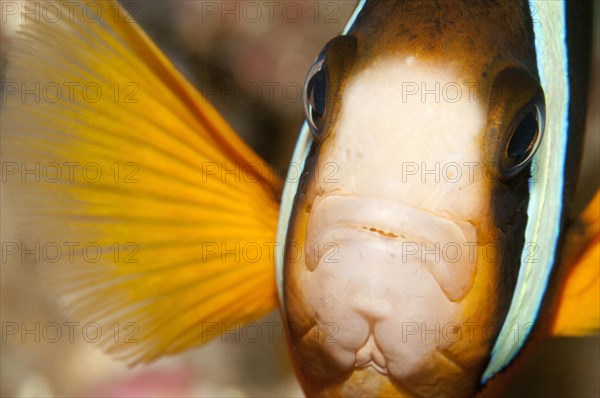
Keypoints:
pixel 427 246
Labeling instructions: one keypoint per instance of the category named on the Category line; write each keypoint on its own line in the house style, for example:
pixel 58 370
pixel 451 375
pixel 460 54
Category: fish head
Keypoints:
pixel 407 229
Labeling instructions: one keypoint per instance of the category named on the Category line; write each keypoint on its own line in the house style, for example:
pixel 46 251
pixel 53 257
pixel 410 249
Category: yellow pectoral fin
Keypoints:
pixel 579 303
pixel 151 215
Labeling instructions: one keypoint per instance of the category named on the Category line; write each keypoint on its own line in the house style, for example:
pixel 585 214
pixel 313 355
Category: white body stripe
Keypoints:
pixel 287 201
pixel 545 202
pixel 292 181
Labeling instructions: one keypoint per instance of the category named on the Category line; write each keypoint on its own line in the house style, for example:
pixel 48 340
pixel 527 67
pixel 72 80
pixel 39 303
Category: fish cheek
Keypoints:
pixel 509 212
pixel 500 243
pixel 305 337
pixel 294 270
pixel 514 89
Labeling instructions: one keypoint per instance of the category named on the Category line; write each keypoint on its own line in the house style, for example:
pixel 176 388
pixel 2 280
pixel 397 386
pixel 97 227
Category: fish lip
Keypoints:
pixel 371 364
pixel 336 211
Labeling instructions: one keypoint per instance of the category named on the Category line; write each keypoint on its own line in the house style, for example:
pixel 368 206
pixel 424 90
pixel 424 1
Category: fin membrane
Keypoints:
pixel 152 217
pixel 579 305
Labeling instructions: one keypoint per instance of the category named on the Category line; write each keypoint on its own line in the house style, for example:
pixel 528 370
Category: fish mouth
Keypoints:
pixel 370 355
pixel 374 366
pixel 444 244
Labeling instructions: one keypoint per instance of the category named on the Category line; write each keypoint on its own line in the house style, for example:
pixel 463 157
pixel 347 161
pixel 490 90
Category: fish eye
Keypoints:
pixel 525 137
pixel 315 96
